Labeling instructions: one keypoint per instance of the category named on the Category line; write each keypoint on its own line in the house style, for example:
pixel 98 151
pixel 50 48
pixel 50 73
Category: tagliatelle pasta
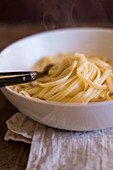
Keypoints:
pixel 73 78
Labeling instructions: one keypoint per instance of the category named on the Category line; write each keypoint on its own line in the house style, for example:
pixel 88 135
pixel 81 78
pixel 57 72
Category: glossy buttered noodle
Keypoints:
pixel 74 78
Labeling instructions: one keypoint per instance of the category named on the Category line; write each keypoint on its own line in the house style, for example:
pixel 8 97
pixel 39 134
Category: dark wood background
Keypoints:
pixel 19 18
pixel 55 12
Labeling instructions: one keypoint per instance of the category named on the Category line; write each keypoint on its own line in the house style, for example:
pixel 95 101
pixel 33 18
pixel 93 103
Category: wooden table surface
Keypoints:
pixel 14 155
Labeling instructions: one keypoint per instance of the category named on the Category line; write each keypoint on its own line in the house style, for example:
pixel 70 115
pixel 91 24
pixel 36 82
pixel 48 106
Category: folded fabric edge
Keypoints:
pixel 21 125
pixel 16 137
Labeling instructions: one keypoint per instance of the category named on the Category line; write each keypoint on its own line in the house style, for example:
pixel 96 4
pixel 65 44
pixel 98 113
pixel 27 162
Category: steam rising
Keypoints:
pixel 69 13
pixel 57 14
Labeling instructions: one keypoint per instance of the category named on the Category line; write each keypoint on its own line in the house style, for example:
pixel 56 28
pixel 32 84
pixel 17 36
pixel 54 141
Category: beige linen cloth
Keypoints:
pixel 53 149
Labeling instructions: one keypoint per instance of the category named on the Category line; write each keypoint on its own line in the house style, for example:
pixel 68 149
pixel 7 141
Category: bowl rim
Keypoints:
pixel 62 104
pixel 97 29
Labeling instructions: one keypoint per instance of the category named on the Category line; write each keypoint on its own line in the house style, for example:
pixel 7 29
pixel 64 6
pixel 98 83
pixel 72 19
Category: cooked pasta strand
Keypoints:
pixel 74 78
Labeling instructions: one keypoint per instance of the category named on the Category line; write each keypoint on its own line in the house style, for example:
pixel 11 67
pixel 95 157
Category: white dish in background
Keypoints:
pixel 24 53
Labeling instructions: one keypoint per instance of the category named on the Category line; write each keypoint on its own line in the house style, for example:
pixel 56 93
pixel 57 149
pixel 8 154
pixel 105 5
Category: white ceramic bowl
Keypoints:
pixel 24 53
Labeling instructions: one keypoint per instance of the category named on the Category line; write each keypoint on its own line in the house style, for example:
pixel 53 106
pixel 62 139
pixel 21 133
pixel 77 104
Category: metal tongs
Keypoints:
pixel 13 78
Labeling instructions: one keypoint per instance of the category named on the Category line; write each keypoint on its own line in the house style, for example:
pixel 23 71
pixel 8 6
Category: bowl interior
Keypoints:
pixel 24 53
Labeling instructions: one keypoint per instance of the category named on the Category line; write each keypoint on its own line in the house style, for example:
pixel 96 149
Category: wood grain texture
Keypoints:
pixel 13 155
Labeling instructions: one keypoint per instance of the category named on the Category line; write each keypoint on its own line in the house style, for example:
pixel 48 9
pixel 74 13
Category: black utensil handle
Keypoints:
pixel 16 73
pixel 16 80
